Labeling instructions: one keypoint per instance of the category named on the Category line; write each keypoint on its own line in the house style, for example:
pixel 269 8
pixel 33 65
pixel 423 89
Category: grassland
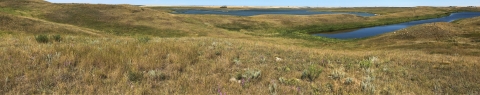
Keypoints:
pixel 121 49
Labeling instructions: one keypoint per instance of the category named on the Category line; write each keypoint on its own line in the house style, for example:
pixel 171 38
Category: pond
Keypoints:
pixel 252 12
pixel 373 31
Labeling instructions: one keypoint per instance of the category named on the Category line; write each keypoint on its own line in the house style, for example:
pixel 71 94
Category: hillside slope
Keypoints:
pixel 123 49
pixel 38 26
pixel 438 38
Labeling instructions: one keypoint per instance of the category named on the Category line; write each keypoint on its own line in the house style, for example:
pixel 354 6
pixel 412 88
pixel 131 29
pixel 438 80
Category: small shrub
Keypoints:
pixel 337 74
pixel 373 59
pixel 252 74
pixel 349 66
pixel 42 38
pixel 237 61
pixel 367 85
pixel 316 89
pixel 273 88
pixel 330 87
pixel 365 64
pixel 157 75
pixel 311 73
pixel 134 76
pixel 262 59
pixel 369 72
pixel 143 39
pixel 292 81
pixel 249 74
pixel 57 38
pixel 348 81
pixel 284 69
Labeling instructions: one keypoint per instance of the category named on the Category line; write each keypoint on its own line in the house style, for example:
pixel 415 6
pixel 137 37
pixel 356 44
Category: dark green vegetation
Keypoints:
pixel 42 38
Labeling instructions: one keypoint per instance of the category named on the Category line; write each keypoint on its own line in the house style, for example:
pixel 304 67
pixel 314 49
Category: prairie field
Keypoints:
pixel 49 48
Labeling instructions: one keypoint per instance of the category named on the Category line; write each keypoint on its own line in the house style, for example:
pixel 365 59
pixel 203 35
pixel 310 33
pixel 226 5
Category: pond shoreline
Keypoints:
pixel 377 30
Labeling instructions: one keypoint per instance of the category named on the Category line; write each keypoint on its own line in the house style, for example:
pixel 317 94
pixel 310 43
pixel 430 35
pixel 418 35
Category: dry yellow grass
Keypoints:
pixel 121 65
pixel 438 59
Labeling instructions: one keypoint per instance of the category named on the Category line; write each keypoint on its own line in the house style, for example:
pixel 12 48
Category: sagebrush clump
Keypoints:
pixel 143 39
pixel 311 73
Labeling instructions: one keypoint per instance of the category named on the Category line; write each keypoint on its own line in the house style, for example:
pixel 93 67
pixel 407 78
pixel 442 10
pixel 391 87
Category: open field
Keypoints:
pixel 121 49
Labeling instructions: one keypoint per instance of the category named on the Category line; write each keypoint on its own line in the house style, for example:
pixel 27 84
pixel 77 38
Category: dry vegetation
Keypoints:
pixel 120 49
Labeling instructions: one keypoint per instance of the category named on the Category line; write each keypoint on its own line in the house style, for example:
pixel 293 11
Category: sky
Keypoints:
pixel 312 3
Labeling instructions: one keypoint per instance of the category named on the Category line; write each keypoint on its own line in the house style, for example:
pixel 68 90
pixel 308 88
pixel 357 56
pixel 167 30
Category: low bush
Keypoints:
pixel 348 81
pixel 311 73
pixel 157 75
pixel 337 74
pixel 368 86
pixel 292 81
pixel 143 39
pixel 365 64
pixel 57 38
pixel 134 76
pixel 251 74
pixel 42 38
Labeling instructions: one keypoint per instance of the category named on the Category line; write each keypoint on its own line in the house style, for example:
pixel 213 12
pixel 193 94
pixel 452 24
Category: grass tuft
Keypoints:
pixel 348 81
pixel 143 39
pixel 157 75
pixel 365 64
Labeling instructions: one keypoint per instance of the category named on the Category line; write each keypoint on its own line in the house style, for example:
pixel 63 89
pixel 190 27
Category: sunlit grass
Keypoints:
pixel 122 49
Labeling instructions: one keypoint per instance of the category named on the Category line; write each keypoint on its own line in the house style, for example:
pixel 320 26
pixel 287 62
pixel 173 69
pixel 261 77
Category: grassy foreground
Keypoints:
pixel 120 49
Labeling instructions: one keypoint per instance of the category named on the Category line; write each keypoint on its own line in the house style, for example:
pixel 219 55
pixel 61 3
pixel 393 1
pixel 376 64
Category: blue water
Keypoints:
pixel 373 31
pixel 253 12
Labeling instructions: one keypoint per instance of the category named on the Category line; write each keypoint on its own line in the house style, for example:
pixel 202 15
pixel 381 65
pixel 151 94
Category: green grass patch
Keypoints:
pixel 244 24
pixel 15 11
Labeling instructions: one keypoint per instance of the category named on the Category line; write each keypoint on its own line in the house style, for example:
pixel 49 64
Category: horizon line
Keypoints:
pixel 256 5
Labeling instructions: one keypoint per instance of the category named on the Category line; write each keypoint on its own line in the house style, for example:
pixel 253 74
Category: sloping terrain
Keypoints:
pixel 123 49
pixel 437 38
pixel 38 26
